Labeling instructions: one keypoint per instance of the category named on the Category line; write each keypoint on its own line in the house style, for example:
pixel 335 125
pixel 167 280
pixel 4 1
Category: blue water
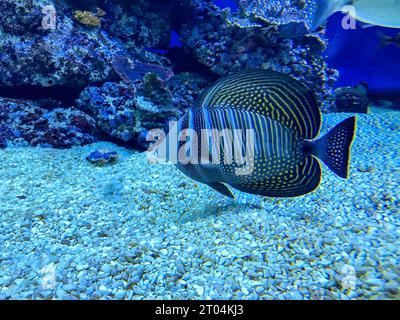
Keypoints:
pixel 360 56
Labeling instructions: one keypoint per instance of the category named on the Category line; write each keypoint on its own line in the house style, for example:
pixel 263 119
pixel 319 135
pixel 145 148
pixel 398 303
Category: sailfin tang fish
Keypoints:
pixel 285 120
pixel 385 13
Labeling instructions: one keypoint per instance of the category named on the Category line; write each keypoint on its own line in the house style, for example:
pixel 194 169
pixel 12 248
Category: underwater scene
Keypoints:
pixel 199 150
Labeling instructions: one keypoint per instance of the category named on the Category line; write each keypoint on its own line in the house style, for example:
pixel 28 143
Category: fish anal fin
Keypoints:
pixel 302 179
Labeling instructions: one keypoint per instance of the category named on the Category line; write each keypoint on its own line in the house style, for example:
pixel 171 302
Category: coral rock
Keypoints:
pixel 67 55
pixel 102 157
pixel 127 111
pixel 29 123
pixel 284 46
pixel 351 99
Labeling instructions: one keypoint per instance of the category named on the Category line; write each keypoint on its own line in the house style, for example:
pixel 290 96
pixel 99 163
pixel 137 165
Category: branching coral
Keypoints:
pixel 279 12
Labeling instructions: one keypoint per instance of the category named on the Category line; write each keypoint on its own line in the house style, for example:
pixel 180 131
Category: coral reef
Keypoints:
pixel 65 56
pixel 280 12
pixel 22 17
pixel 225 46
pixel 351 99
pixel 141 23
pixel 90 45
pixel 127 111
pixel 32 123
pixel 185 88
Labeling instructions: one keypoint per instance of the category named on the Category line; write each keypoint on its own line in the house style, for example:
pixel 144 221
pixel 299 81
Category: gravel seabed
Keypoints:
pixel 140 231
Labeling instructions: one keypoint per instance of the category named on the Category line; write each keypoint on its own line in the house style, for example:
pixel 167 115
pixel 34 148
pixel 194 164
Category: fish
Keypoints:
pixel 133 70
pixel 384 13
pixel 389 40
pixel 281 153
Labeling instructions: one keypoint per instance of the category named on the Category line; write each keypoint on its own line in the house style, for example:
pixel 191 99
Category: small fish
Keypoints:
pixel 385 13
pixel 285 120
pixel 133 70
pixel 388 40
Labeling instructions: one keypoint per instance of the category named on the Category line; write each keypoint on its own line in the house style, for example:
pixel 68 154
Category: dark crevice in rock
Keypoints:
pixel 184 61
pixel 65 95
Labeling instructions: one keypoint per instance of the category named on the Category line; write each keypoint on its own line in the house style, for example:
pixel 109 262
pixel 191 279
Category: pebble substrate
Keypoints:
pixel 140 231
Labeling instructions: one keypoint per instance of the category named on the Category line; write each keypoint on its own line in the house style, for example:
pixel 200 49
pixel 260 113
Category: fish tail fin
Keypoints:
pixel 334 148
pixel 383 39
pixel 325 8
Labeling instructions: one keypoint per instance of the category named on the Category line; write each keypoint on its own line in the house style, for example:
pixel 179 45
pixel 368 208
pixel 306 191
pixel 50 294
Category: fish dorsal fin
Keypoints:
pixel 272 94
pixel 302 179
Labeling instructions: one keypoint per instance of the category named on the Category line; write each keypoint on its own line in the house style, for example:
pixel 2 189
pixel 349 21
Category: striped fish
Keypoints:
pixel 284 119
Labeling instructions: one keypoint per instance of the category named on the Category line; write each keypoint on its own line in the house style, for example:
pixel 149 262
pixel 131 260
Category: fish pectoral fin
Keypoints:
pixel 221 188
